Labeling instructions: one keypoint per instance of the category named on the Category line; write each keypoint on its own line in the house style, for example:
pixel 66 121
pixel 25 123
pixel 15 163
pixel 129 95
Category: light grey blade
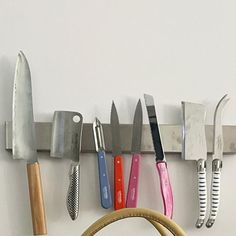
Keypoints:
pixel 23 128
pixel 218 132
pixel 156 136
pixel 66 135
pixel 194 136
pixel 115 132
pixel 137 129
pixel 98 135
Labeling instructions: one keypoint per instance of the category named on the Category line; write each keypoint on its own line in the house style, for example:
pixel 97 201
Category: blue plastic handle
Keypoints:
pixel 105 190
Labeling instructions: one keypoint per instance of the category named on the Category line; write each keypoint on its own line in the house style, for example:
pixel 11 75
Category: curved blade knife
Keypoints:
pixel 217 160
pixel 24 141
pixel 132 195
pixel 119 192
pixel 161 164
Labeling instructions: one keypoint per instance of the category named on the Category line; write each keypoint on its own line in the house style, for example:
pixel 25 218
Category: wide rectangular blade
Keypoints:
pixel 23 128
pixel 156 137
pixel 194 137
pixel 115 131
pixel 66 135
pixel 137 129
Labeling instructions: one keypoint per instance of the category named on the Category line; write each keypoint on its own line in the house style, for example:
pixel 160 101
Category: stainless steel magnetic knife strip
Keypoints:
pixel 171 136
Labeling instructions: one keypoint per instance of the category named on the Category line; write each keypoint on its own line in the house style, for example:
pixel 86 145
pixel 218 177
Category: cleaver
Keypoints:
pixel 195 148
pixel 66 143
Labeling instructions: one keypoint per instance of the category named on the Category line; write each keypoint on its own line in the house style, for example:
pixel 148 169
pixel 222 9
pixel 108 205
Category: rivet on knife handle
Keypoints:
pixel 73 191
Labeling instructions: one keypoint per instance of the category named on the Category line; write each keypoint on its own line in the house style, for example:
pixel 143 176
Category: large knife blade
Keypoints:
pixel 24 141
pixel 161 164
pixel 132 195
pixel 119 192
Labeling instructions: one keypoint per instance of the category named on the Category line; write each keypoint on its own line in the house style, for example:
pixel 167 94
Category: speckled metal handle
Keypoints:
pixel 73 191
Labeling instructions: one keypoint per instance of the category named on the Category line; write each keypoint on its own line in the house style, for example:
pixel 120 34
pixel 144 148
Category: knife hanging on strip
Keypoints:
pixel 132 195
pixel 119 191
pixel 217 161
pixel 161 164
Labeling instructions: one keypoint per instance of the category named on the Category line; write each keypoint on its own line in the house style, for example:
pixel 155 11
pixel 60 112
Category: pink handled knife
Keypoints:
pixel 132 195
pixel 161 164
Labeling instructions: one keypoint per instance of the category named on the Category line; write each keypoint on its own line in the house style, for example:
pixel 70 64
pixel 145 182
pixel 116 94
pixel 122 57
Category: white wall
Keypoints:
pixel 82 55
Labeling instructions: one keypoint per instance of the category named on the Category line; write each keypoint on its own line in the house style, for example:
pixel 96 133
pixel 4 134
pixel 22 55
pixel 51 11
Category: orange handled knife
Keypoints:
pixel 119 192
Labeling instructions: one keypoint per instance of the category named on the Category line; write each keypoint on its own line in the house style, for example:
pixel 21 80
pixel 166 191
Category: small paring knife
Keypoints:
pixel 119 192
pixel 161 164
pixel 132 195
pixel 66 143
pixel 24 141
pixel 218 146
pixel 105 190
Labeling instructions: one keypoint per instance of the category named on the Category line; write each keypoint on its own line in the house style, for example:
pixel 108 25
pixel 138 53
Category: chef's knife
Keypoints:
pixel 66 143
pixel 132 195
pixel 105 190
pixel 161 164
pixel 119 192
pixel 217 161
pixel 24 142
pixel 195 148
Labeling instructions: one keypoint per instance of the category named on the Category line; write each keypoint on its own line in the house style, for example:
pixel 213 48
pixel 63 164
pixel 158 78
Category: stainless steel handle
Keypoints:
pixel 202 192
pixel 215 191
pixel 73 191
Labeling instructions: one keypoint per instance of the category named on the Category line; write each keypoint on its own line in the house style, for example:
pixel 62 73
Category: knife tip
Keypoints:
pixel 149 101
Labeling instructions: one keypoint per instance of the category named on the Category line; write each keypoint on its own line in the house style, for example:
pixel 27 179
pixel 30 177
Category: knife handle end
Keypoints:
pixel 36 199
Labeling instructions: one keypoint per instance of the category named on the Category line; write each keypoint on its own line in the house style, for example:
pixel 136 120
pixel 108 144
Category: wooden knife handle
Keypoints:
pixel 36 199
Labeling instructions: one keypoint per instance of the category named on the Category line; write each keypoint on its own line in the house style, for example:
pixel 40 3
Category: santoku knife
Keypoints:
pixel 161 164
pixel 24 143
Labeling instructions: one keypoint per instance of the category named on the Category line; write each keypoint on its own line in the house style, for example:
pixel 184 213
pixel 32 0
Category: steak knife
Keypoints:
pixel 24 141
pixel 119 192
pixel 161 164
pixel 132 195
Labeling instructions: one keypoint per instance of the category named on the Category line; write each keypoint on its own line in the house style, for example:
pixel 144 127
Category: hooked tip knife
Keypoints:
pixel 119 192
pixel 24 141
pixel 132 195
pixel 161 164
pixel 217 161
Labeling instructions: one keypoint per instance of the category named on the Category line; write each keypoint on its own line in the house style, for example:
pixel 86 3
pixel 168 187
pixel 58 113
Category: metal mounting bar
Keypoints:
pixel 171 136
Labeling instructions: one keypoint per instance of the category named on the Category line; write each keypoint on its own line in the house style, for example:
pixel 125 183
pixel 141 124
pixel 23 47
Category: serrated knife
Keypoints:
pixel 161 164
pixel 24 142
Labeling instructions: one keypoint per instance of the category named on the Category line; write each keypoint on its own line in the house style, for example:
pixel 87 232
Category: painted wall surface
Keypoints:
pixel 83 55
